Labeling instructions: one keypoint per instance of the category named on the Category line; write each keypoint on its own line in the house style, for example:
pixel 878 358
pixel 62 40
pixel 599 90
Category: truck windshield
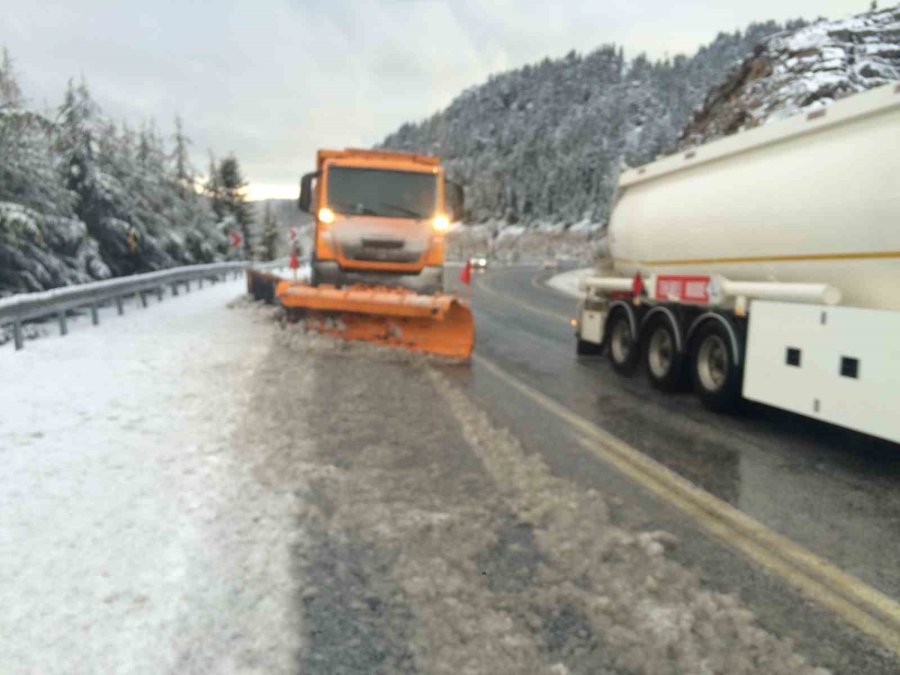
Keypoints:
pixel 380 192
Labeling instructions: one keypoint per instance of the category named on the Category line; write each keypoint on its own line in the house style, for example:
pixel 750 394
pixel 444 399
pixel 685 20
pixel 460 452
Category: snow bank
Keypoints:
pixel 516 243
pixel 133 537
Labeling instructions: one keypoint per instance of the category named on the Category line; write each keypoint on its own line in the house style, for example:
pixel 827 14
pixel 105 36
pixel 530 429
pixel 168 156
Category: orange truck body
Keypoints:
pixel 378 260
pixel 379 242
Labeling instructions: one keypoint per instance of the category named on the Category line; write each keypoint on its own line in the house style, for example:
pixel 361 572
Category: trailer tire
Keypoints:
pixel 663 360
pixel 714 367
pixel 624 351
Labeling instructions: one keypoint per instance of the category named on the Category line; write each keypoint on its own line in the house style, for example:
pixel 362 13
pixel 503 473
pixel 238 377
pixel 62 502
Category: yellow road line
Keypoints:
pixel 857 603
pixel 866 255
pixel 505 297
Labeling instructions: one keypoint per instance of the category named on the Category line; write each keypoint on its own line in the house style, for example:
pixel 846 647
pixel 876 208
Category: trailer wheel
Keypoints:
pixel 664 362
pixel 714 368
pixel 623 346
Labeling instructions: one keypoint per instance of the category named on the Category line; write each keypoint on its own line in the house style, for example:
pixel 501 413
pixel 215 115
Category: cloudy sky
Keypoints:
pixel 272 80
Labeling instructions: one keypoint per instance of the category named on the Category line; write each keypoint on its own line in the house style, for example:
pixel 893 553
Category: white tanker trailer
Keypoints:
pixel 765 264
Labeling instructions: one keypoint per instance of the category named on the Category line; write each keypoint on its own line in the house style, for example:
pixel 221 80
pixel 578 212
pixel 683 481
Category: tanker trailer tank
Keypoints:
pixel 765 265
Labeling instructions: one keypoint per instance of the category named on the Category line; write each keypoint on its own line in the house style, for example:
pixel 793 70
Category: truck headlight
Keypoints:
pixel 326 215
pixel 441 223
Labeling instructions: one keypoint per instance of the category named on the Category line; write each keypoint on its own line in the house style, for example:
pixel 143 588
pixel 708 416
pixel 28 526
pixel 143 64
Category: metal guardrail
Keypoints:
pixel 17 309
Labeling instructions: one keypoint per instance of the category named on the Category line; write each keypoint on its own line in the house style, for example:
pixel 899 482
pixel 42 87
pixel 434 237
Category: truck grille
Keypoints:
pixel 382 255
pixel 382 243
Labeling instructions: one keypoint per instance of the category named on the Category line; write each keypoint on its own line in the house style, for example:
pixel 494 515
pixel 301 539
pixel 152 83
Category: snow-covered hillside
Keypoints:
pixel 542 144
pixel 801 71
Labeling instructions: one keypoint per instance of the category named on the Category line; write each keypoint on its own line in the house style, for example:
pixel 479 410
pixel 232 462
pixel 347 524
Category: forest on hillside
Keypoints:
pixel 543 143
pixel 83 197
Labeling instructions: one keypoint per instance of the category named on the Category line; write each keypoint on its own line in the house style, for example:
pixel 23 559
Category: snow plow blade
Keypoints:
pixel 398 317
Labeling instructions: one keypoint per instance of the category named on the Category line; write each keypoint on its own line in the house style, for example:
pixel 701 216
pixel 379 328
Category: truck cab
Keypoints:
pixel 380 218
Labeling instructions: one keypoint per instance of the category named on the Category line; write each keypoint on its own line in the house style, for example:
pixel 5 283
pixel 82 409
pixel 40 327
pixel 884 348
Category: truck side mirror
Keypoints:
pixel 456 200
pixel 306 190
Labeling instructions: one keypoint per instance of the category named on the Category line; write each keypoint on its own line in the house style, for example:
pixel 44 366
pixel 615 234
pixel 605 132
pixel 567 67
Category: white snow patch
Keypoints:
pixel 567 282
pixel 132 536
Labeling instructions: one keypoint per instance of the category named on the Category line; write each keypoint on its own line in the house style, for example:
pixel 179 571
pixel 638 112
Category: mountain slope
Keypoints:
pixel 801 71
pixel 543 143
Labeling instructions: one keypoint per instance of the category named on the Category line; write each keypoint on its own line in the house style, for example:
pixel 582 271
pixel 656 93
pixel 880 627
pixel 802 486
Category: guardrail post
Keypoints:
pixel 17 334
pixel 139 295
pixel 159 293
pixel 63 324
pixel 120 308
pixel 187 285
pixel 95 315
pixel 175 289
pixel 200 283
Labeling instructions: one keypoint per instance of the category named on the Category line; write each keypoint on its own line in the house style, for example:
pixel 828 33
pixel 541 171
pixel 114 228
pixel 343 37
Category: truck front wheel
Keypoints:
pixel 714 368
pixel 623 347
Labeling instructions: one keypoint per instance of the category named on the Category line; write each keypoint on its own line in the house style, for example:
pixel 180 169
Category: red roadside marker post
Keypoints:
pixel 465 276
pixel 295 262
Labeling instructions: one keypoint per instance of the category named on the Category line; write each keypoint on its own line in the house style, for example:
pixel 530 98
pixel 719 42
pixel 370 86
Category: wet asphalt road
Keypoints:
pixel 835 492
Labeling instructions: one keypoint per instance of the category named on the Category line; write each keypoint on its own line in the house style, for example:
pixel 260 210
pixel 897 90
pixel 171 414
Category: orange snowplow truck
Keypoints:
pixel 380 218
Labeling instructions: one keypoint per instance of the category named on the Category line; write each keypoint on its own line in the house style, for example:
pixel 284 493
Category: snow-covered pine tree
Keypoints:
pixel 181 161
pixel 82 198
pixel 10 93
pixel 42 244
pixel 232 191
pixel 192 213
pixel 269 234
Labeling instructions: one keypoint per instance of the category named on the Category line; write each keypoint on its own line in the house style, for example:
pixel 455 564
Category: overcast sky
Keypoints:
pixel 272 80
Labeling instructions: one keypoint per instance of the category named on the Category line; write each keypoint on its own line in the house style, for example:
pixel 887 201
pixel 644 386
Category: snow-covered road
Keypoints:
pixel 131 537
pixel 190 489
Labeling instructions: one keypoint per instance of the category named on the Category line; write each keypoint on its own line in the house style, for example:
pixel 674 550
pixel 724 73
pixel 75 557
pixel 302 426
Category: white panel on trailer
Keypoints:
pixel 592 326
pixel 837 364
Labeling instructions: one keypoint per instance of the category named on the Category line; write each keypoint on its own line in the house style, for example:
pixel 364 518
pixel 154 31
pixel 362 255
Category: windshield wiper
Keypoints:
pixel 403 209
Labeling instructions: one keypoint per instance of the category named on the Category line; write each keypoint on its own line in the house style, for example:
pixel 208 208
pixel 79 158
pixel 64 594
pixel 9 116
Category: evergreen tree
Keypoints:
pixel 232 192
pixel 268 245
pixel 82 198
pixel 10 94
pixel 184 174
pixel 213 188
